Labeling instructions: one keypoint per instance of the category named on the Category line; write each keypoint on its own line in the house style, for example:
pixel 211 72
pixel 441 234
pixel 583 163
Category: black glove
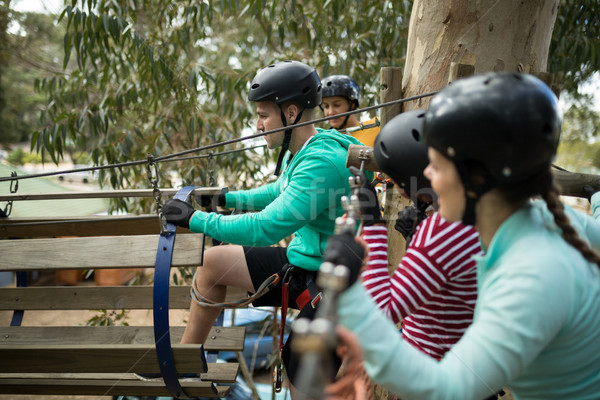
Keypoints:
pixel 342 249
pixel 367 198
pixel 407 219
pixel 178 212
pixel 211 201
pixel 589 192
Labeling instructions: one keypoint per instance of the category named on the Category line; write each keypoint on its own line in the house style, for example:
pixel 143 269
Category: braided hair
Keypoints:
pixel 570 235
pixel 543 184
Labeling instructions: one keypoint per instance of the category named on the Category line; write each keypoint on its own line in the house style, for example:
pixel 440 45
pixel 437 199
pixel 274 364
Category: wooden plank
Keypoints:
pixel 137 251
pixel 100 387
pixel 96 298
pixel 81 226
pixel 106 194
pixel 89 298
pixel 221 372
pixel 97 358
pixel 219 338
pixel 217 372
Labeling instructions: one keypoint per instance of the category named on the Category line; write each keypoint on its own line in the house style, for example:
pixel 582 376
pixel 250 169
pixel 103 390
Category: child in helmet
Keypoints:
pixel 303 201
pixel 342 94
pixel 433 290
pixel 434 297
pixel 491 141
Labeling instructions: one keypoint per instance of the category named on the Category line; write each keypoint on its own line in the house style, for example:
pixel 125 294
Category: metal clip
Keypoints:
pixel 8 208
pixel 278 376
pixel 211 169
pixel 153 179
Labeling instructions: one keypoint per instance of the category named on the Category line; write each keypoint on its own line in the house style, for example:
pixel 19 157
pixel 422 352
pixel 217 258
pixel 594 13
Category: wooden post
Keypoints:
pixel 391 89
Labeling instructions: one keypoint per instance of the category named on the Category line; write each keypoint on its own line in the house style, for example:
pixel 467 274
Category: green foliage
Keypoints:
pixel 16 157
pixel 579 149
pixel 581 123
pixel 19 157
pixel 109 318
pixel 149 76
pixel 159 77
pixel 575 45
pixel 32 50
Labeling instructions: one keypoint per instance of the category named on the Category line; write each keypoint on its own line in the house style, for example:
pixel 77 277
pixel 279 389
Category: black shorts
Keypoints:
pixel 262 263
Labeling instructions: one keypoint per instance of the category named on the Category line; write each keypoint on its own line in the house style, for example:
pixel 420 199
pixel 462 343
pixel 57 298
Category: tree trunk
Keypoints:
pixel 390 79
pixel 489 35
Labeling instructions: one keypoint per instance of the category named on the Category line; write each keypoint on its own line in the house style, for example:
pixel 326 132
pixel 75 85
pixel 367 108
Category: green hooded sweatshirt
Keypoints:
pixel 304 201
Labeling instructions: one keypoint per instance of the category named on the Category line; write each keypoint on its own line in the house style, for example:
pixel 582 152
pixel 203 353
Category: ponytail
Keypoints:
pixel 569 234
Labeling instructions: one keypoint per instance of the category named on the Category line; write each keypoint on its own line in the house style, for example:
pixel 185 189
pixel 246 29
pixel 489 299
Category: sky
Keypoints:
pixel 48 6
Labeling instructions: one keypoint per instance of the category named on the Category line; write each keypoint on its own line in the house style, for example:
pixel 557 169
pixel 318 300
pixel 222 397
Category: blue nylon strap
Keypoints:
pixel 17 317
pixel 162 272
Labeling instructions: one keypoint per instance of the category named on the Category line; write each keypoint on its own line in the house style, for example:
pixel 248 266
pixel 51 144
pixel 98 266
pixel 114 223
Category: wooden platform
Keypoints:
pixel 99 360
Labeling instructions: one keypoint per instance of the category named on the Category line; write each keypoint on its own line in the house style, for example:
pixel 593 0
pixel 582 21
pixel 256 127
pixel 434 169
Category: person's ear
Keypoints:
pixel 291 112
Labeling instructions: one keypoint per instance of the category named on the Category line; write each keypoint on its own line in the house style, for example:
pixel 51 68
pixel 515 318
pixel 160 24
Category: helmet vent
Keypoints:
pixel 305 90
pixel 255 86
pixel 415 134
pixel 383 149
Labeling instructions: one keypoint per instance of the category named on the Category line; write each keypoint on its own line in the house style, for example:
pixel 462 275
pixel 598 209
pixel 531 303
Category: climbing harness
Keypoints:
pixel 309 296
pixel 285 293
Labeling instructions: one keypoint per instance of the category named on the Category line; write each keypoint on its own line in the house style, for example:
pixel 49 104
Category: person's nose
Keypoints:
pixel 427 171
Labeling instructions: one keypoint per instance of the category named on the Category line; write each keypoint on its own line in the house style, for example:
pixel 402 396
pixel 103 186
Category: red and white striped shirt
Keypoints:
pixel 434 289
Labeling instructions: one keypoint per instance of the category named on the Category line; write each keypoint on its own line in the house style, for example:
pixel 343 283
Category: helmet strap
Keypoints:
pixel 479 190
pixel 286 140
pixel 352 108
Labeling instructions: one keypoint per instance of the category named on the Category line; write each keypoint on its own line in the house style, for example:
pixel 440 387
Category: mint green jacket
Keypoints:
pixel 536 326
pixel 304 201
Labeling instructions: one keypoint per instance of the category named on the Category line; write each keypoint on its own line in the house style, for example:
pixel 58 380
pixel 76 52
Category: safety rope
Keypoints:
pixel 170 157
pixel 265 287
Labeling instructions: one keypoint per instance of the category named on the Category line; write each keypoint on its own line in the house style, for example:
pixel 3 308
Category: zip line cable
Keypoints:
pixel 171 157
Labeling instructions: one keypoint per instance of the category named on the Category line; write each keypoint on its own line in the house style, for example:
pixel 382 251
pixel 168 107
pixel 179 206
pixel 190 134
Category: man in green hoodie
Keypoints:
pixel 304 201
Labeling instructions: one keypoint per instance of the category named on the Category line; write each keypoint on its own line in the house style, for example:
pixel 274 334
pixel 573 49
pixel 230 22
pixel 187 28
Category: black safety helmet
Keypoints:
pixel 343 86
pixel 507 123
pixel 400 154
pixel 287 81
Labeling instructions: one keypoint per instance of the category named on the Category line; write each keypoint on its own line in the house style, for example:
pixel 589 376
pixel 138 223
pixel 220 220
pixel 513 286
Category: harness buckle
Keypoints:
pixel 316 299
pixel 278 376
